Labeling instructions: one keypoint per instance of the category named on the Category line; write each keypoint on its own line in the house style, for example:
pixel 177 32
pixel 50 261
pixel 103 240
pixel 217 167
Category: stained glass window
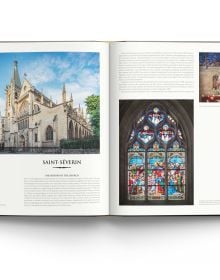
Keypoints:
pixel 156 158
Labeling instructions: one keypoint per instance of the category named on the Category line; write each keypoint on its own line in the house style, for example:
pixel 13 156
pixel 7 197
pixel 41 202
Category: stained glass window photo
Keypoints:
pixel 156 152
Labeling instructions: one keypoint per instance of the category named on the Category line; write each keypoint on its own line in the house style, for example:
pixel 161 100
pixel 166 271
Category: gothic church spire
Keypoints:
pixel 64 93
pixel 15 80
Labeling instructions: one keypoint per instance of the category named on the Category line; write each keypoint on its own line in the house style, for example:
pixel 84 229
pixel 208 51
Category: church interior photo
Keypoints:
pixel 156 152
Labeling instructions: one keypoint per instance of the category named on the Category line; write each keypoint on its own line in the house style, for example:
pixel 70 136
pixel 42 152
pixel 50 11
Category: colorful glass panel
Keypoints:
pixel 176 160
pixel 176 184
pixel 176 147
pixel 136 172
pixel 136 177
pixel 166 134
pixel 136 147
pixel 156 116
pixel 136 160
pixel 146 134
pixel 176 177
pixel 136 192
pixel 176 192
pixel 156 160
pixel 176 174
pixel 156 177
pixel 156 192
pixel 156 147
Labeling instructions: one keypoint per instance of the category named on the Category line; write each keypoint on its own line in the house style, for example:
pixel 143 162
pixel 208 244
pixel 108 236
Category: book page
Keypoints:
pixel 164 113
pixel 54 128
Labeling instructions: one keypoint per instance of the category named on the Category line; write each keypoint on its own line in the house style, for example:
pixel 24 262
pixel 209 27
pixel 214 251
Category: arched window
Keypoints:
pixel 24 109
pixel 49 133
pixel 71 129
pixel 36 108
pixel 76 131
pixel 156 159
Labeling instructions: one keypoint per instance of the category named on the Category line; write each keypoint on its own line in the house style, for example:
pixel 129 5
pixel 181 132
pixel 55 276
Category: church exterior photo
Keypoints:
pixel 33 122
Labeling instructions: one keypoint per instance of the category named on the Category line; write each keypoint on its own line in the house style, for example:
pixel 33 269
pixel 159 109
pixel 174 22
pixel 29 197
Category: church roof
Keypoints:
pixel 47 100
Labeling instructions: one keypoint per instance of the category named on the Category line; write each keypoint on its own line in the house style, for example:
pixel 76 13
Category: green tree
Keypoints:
pixel 93 109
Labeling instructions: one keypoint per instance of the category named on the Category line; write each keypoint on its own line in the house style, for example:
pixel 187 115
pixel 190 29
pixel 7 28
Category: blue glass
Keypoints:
pixel 156 116
pixel 176 160
pixel 156 160
pixel 136 160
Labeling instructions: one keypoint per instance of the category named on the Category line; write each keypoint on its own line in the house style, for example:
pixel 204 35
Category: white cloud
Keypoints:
pixel 68 74
pixel 55 93
pixel 79 94
pixel 40 71
pixel 89 80
pixel 62 64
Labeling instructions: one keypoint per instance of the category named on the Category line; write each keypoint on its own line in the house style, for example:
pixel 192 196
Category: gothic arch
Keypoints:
pixel 24 108
pixel 174 128
pixel 49 133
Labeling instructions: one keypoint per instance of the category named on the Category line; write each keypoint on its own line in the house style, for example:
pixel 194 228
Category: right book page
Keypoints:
pixel 164 115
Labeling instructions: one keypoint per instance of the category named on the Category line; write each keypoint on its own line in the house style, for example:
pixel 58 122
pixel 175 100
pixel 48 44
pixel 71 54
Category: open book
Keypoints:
pixel 120 128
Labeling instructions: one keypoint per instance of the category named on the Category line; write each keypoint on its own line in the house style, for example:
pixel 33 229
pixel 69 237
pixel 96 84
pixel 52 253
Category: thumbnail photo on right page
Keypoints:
pixel 164 114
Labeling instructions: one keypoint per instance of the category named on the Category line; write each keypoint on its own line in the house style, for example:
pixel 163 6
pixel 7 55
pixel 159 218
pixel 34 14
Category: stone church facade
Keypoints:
pixel 34 120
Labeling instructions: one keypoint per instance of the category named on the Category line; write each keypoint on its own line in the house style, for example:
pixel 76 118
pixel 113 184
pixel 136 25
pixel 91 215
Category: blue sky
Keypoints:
pixel 48 71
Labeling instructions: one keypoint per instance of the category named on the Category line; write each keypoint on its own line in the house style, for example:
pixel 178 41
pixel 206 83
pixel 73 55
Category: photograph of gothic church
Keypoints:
pixel 49 103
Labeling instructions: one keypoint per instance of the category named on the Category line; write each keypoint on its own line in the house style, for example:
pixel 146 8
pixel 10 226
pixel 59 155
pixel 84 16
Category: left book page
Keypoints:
pixel 54 127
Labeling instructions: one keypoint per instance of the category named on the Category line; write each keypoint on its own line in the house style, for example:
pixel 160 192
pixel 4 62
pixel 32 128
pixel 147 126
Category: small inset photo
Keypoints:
pixel 209 77
pixel 156 152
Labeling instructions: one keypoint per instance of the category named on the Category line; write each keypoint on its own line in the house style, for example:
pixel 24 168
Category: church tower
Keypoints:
pixel 13 91
pixel 15 80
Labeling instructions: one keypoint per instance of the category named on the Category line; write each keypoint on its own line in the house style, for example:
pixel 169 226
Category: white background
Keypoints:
pixel 110 247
